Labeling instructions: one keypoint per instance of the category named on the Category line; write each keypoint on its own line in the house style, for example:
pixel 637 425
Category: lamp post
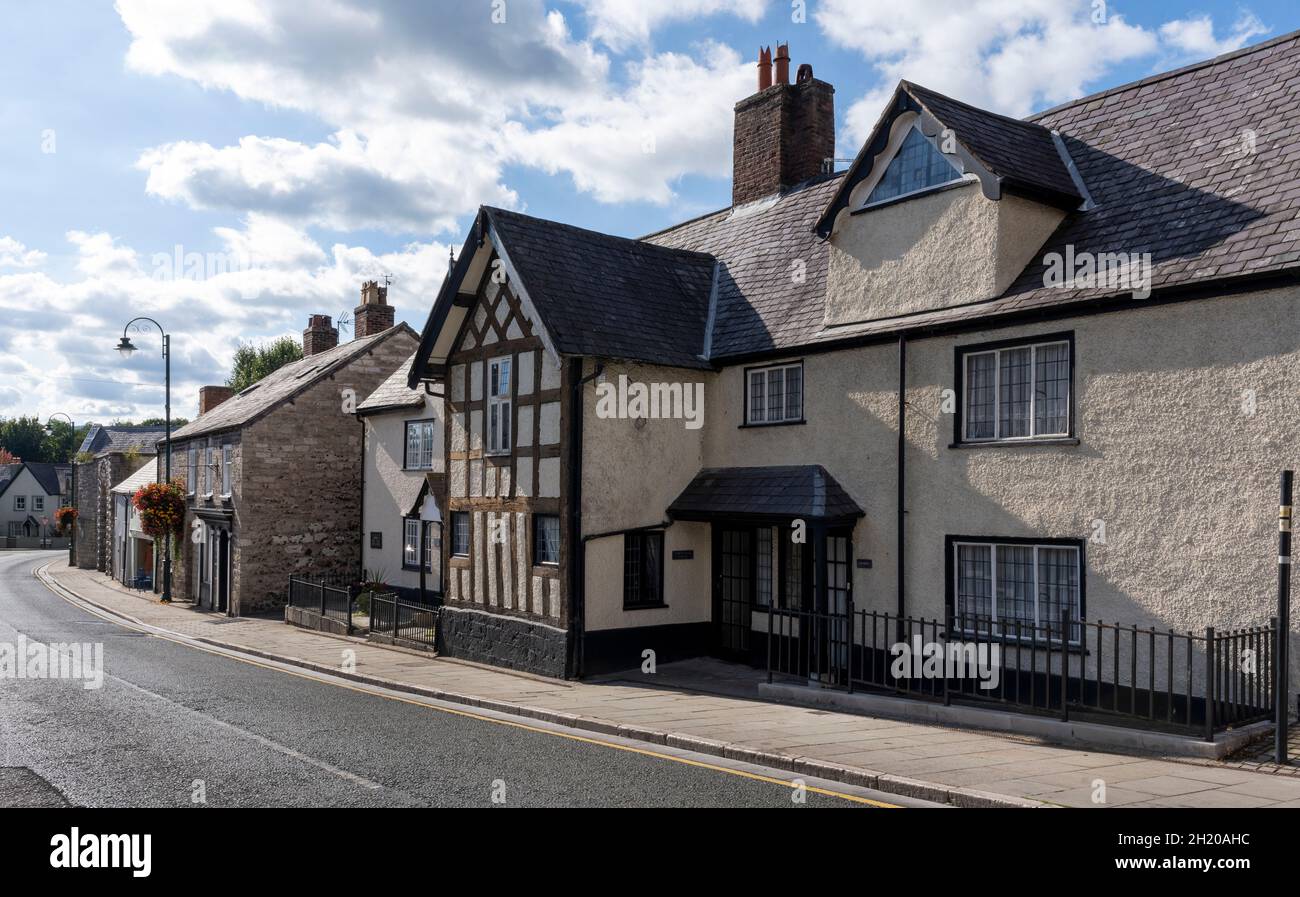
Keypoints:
pixel 126 348
pixel 72 539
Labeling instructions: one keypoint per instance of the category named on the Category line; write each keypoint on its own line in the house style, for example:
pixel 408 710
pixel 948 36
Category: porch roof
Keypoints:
pixel 805 492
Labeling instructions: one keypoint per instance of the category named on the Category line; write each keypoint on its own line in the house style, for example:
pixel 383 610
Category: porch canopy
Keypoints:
pixel 766 494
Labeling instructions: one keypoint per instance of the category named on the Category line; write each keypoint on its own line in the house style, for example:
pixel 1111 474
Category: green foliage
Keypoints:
pixel 24 437
pixel 252 363
pixel 177 422
pixel 61 441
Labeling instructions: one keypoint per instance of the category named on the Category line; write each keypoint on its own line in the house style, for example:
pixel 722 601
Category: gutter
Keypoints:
pixel 578 561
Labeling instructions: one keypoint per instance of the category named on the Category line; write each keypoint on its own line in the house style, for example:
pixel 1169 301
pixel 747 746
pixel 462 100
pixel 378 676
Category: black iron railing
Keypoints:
pixel 400 619
pixel 329 596
pixel 1191 682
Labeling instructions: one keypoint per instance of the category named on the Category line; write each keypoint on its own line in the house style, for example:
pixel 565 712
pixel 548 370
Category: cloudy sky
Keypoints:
pixel 231 166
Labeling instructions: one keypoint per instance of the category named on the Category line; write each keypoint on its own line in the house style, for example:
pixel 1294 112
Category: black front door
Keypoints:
pixel 733 590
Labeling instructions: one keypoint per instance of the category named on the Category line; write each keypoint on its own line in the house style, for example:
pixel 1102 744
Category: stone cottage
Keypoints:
pixel 272 473
pixel 108 455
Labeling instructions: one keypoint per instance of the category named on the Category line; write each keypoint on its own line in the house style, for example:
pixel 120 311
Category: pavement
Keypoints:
pixel 176 722
pixel 711 708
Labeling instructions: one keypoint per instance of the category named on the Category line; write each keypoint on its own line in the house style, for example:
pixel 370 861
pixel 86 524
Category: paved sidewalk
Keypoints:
pixel 704 707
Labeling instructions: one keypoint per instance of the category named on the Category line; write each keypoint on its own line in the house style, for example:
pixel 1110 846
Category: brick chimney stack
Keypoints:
pixel 374 314
pixel 319 336
pixel 212 396
pixel 783 133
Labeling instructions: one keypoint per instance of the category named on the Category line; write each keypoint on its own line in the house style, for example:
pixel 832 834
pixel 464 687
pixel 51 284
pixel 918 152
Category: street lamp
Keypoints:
pixel 126 348
pixel 72 538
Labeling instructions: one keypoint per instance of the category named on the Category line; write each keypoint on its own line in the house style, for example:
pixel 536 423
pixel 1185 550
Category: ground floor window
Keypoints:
pixel 643 569
pixel 546 539
pixel 411 543
pixel 460 533
pixel 1007 588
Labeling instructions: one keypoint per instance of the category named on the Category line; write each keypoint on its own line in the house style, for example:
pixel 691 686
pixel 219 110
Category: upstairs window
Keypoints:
pixel 192 481
pixel 774 395
pixel 38 502
pixel 915 167
pixel 20 502
pixel 419 445
pixel 498 408
pixel 209 471
pixel 1017 391
pixel 227 468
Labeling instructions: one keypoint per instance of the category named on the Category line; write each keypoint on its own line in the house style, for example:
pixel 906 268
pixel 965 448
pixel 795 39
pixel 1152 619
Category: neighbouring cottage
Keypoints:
pixel 272 473
pixel 135 562
pixel 997 371
pixel 108 455
pixel 30 493
pixel 404 481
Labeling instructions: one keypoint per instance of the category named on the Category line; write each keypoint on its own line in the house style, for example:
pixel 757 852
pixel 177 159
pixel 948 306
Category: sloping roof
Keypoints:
pixel 806 491
pixel 1168 163
pixel 1023 153
pixel 393 393
pixel 771 269
pixel 45 473
pixel 100 439
pixel 1163 161
pixel 142 477
pixel 281 385
pixel 611 296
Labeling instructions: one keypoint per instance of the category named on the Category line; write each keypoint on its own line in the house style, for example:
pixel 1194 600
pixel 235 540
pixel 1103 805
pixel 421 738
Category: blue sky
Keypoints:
pixel 310 149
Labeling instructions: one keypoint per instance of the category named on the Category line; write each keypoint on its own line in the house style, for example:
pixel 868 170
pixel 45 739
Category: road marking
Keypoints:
pixel 376 691
pixel 262 740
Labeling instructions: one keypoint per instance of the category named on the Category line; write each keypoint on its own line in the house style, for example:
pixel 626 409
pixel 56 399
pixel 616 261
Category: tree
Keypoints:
pixel 6 458
pixel 61 441
pixel 252 363
pixel 23 437
pixel 177 422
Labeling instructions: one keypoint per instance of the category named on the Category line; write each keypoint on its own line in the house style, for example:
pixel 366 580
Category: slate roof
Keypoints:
pixel 1164 161
pixel 771 272
pixel 281 385
pixel 101 439
pixel 610 296
pixel 45 473
pixel 142 477
pixel 1021 152
pixel 805 491
pixel 393 393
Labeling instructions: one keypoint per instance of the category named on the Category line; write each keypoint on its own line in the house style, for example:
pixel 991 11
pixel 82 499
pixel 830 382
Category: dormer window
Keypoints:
pixel 917 166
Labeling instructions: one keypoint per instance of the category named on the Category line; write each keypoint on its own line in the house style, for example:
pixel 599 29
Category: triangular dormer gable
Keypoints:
pixel 944 206
pixel 1001 153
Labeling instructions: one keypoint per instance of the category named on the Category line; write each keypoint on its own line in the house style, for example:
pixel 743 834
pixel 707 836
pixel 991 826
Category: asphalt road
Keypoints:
pixel 172 722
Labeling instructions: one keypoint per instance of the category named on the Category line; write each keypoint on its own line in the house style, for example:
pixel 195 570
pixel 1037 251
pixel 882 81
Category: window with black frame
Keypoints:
pixel 460 533
pixel 643 569
pixel 546 540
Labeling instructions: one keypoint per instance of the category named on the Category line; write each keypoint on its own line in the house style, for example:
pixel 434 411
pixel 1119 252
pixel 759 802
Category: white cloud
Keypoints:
pixel 1194 36
pixel 1010 56
pixel 58 334
pixel 14 254
pixel 430 106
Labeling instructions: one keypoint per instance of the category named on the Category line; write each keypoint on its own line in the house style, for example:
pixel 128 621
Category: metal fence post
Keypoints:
pixel 771 608
pixel 943 668
pixel 1065 665
pixel 1209 683
pixel 1280 662
pixel 322 596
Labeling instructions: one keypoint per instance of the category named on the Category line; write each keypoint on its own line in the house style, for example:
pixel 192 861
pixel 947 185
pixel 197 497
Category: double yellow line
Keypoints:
pixel 232 654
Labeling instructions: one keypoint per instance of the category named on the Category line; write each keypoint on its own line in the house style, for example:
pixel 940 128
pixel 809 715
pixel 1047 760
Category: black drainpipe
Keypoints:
pixel 578 561
pixel 902 471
